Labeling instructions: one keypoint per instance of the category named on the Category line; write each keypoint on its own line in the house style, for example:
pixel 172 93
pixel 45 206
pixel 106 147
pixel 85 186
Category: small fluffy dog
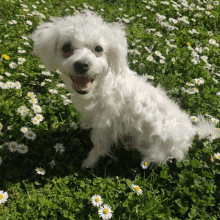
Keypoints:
pixel 112 99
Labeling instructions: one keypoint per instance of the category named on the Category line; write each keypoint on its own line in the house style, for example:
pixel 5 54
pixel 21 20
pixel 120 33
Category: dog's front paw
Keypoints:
pixel 87 163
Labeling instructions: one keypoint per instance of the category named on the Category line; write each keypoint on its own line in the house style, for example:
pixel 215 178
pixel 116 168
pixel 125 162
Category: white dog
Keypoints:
pixel 112 99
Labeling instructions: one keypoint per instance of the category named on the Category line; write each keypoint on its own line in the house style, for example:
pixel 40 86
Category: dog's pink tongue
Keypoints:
pixel 82 83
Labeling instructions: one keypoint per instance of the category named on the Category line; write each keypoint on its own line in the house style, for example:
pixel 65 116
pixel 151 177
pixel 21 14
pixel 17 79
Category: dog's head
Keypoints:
pixel 83 47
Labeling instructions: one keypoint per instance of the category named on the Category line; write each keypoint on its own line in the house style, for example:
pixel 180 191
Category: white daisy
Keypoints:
pixel 1 77
pixel 205 128
pixel 31 95
pixel 10 85
pixel 24 37
pixel 136 189
pixel 21 59
pixel 35 121
pixel 29 22
pixel 214 135
pixel 199 81
pixel 12 146
pixel 61 85
pixel 52 163
pixel 96 200
pixel 33 101
pixel 24 129
pixel 7 74
pixel 25 112
pixel 105 212
pixel 30 135
pixel 48 80
pixel 39 117
pixel 67 101
pixel 144 164
pixel 157 53
pixel 150 58
pixel 46 73
pixel 40 171
pixel 150 77
pixel 3 85
pixel 194 118
pixel 212 41
pixel 21 108
pixel 21 148
pixel 215 120
pixel 17 85
pixel 54 91
pixel 217 156
pixel 3 196
pixel 43 84
pixel 41 66
pixel 73 125
pixel 21 51
pixel 13 65
pixel 59 147
pixel 37 108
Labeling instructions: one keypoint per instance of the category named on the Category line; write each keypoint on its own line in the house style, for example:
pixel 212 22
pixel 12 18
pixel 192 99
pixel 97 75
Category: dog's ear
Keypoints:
pixel 45 40
pixel 117 55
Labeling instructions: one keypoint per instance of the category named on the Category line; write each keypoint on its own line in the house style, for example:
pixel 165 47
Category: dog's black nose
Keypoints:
pixel 81 66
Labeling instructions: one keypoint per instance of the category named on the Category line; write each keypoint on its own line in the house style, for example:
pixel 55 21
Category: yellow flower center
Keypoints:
pixel 32 100
pixel 31 95
pixel 22 148
pixel 97 199
pixel 188 44
pixel 40 169
pixel 105 211
pixel 38 117
pixel 35 120
pixel 1 196
pixel 30 134
pixel 145 163
pixel 24 130
pixel 13 146
pixel 36 108
pixel 219 156
pixel 25 111
pixel 137 188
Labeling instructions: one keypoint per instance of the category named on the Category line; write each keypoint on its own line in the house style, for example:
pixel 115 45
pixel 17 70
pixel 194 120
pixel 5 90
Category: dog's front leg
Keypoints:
pixel 101 147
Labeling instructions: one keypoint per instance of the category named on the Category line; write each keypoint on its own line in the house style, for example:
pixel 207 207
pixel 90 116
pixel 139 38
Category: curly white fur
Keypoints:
pixel 118 104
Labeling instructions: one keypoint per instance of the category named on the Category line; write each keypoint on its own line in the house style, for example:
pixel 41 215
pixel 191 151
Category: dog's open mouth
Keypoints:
pixel 82 84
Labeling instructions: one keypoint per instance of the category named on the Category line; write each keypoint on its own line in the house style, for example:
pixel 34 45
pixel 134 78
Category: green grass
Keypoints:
pixel 177 190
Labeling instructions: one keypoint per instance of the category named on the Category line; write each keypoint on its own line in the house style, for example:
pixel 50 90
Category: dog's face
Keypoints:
pixel 83 47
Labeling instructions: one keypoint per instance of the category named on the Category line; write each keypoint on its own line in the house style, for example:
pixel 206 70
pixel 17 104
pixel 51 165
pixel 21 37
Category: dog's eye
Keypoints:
pixel 98 49
pixel 66 48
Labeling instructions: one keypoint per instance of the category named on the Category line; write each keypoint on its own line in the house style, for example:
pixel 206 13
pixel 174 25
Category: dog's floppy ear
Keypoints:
pixel 117 57
pixel 45 40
